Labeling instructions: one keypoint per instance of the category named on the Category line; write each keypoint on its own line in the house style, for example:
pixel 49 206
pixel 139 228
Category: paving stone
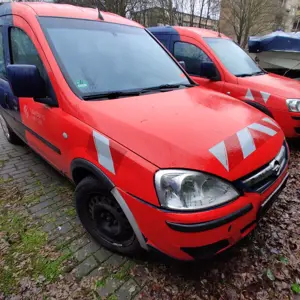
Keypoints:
pixel 49 195
pixel 95 273
pixel 7 170
pixel 140 274
pixel 40 206
pixel 77 221
pixel 5 176
pixel 85 267
pixel 66 239
pixel 86 251
pixel 64 228
pixel 62 219
pixel 127 290
pixel 45 211
pixel 82 241
pixel 48 227
pixel 24 175
pixel 114 261
pixel 102 255
pixel 110 286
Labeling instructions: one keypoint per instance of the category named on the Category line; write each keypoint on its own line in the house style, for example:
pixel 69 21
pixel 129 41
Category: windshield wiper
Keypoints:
pixel 120 94
pixel 251 74
pixel 112 95
pixel 167 87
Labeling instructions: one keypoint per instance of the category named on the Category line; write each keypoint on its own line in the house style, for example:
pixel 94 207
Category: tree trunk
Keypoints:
pixel 208 11
pixel 201 12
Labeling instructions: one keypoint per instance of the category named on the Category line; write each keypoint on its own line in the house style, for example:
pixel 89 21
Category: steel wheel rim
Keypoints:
pixel 109 221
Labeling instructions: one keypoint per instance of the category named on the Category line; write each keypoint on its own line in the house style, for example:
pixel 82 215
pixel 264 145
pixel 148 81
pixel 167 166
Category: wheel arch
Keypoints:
pixel 81 168
pixel 260 107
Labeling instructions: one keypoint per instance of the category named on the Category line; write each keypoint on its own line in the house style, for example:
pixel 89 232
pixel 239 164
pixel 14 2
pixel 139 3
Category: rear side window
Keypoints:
pixel 2 63
pixel 23 51
pixel 192 56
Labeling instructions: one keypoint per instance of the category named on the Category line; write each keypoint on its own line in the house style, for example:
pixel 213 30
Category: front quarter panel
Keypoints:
pixel 123 167
pixel 275 104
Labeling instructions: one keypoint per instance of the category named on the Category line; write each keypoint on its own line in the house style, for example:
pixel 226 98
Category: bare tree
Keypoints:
pixel 202 4
pixel 249 17
pixel 192 7
pixel 208 12
pixel 120 7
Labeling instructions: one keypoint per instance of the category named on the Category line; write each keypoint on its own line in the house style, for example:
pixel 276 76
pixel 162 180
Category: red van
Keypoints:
pixel 157 161
pixel 216 62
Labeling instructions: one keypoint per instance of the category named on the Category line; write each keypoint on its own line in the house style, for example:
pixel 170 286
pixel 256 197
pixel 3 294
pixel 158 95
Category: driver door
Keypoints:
pixel 196 61
pixel 41 124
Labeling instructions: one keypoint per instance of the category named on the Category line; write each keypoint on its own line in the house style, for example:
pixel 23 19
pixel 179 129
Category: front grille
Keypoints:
pixel 263 178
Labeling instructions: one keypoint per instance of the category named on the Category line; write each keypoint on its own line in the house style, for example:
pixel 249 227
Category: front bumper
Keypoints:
pixel 289 123
pixel 194 235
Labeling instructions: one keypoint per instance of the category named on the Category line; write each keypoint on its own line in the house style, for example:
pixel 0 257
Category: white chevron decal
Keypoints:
pixel 265 96
pixel 220 152
pixel 249 95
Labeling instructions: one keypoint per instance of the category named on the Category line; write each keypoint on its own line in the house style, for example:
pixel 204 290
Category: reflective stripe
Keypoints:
pixel 263 129
pixel 129 217
pixel 220 152
pixel 246 142
pixel 269 120
pixel 265 96
pixel 249 95
pixel 103 151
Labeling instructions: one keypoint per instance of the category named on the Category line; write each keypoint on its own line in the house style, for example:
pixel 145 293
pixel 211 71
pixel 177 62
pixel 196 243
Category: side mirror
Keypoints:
pixel 182 63
pixel 209 70
pixel 26 81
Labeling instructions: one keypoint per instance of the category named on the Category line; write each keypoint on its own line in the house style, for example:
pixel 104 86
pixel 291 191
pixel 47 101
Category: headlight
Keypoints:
pixel 190 190
pixel 293 104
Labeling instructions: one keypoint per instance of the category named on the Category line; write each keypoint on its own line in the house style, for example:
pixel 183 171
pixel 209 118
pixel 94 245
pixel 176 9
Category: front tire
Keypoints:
pixel 103 218
pixel 9 134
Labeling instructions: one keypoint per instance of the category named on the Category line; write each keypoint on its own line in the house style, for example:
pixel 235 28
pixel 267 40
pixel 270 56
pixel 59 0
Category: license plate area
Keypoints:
pixel 270 201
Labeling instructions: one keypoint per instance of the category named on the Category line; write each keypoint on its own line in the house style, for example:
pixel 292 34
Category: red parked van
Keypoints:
pixel 216 62
pixel 157 161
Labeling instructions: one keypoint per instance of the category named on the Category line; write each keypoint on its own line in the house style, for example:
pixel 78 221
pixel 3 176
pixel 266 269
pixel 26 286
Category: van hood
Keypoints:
pixel 273 84
pixel 192 128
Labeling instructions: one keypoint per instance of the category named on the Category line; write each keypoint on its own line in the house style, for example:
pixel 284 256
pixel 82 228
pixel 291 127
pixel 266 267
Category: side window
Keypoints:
pixel 23 50
pixel 192 56
pixel 2 62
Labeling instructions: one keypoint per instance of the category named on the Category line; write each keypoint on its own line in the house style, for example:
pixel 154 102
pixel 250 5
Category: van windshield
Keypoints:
pixel 234 58
pixel 99 58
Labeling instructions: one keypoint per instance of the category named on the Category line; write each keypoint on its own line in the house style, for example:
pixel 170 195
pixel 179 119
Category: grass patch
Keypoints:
pixel 7 281
pixel 33 198
pixel 124 272
pixel 296 288
pixel 71 212
pixel 2 162
pixel 24 250
pixel 2 180
pixel 50 269
pixel 63 189
pixel 100 283
pixel 33 240
pixel 112 297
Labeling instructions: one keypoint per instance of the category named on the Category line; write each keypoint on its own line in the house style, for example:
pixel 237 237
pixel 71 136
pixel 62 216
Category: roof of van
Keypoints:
pixel 180 29
pixel 62 10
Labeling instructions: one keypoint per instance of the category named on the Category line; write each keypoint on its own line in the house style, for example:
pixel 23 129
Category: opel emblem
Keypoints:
pixel 276 167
